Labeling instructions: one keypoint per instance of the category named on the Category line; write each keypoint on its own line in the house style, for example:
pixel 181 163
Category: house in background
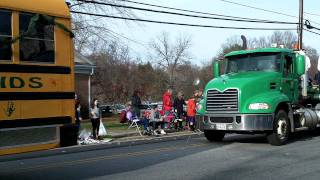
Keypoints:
pixel 84 70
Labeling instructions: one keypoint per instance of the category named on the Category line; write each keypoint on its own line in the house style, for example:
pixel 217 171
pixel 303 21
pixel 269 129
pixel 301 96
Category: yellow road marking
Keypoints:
pixel 95 159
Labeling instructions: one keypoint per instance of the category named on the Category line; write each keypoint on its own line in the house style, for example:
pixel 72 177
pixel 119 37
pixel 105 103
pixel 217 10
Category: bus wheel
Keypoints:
pixel 213 135
pixel 281 129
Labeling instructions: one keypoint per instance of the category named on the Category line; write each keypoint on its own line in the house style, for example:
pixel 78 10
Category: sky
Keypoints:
pixel 206 42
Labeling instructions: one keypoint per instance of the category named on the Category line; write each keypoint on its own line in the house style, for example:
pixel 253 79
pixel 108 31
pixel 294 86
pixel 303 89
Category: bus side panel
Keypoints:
pixel 65 108
pixel 23 139
pixel 36 82
pixel 28 148
pixel 63 44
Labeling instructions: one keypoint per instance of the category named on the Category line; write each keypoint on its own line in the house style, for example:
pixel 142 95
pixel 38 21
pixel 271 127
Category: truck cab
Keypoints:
pixel 261 91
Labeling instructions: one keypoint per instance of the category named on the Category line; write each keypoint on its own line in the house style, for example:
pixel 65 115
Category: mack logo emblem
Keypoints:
pixel 18 82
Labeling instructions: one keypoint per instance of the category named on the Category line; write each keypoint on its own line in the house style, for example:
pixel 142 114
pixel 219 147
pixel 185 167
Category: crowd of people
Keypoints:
pixel 171 116
pixel 156 120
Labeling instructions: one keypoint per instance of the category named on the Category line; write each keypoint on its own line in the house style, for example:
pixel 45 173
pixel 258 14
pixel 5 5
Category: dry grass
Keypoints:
pixel 111 123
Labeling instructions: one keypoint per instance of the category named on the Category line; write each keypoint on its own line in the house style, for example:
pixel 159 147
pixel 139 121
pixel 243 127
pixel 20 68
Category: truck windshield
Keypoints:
pixel 253 62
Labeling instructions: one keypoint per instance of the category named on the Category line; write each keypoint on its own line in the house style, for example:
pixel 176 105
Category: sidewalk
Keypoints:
pixel 133 136
pixel 116 135
pixel 118 132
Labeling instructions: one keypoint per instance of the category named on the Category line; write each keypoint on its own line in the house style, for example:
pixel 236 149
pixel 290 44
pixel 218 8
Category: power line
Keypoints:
pixel 261 9
pixel 313 14
pixel 309 26
pixel 312 31
pixel 132 40
pixel 191 11
pixel 77 4
pixel 187 15
pixel 179 24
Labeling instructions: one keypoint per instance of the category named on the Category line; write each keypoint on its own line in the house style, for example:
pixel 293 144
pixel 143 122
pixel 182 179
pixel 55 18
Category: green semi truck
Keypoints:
pixel 262 91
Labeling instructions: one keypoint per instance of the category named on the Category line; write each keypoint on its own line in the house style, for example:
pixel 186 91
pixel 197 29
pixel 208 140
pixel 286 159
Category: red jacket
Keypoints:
pixel 191 107
pixel 166 100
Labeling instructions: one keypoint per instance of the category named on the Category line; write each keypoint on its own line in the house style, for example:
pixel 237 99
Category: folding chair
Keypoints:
pixel 134 124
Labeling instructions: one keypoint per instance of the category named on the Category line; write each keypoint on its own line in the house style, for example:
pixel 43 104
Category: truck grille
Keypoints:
pixel 222 101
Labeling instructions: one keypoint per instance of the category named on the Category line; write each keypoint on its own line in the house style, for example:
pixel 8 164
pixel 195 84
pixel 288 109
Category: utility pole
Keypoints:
pixel 300 24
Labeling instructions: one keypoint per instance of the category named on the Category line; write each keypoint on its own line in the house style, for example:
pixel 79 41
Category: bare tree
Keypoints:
pixel 170 55
pixel 286 38
pixel 91 31
pixel 113 71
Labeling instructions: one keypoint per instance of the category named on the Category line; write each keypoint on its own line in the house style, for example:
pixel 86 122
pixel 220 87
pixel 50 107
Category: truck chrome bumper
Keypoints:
pixel 238 122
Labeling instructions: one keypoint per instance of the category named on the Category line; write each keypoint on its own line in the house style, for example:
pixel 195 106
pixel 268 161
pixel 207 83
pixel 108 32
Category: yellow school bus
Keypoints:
pixel 36 76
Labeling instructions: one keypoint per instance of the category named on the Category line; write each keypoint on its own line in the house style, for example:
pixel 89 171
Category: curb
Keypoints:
pixel 125 135
pixel 108 145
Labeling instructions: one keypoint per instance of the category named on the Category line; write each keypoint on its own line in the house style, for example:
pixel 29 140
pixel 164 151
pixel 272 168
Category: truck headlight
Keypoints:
pixel 257 106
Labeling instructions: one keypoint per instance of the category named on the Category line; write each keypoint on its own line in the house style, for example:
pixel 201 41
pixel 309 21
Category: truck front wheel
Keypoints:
pixel 213 135
pixel 281 129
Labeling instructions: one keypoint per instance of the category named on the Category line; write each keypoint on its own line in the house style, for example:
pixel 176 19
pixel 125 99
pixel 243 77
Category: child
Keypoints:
pixel 156 122
pixel 191 111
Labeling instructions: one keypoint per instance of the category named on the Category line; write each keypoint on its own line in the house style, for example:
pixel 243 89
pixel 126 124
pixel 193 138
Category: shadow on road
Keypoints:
pixel 304 135
pixel 245 138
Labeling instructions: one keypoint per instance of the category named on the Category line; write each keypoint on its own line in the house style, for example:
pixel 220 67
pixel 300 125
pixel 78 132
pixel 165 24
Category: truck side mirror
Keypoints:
pixel 300 65
pixel 216 69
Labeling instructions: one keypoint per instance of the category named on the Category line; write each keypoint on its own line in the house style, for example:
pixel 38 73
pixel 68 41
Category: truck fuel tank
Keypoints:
pixel 309 117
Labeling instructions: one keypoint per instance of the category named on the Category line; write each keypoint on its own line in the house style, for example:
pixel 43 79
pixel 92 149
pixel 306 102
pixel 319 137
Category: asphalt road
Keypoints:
pixel 238 157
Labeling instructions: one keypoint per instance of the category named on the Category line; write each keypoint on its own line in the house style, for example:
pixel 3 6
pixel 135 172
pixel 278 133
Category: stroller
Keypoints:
pixel 173 120
pixel 178 121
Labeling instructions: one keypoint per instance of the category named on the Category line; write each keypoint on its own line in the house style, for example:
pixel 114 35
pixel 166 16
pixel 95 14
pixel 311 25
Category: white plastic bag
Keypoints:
pixel 102 130
pixel 84 134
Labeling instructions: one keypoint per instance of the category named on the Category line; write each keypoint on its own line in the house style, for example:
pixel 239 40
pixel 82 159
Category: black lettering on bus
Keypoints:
pixel 35 82
pixel 16 82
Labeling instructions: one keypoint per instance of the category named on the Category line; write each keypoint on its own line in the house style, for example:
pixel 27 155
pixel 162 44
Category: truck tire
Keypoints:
pixel 213 135
pixel 281 129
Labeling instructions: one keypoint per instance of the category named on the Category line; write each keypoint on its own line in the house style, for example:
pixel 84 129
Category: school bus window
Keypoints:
pixel 38 43
pixel 5 35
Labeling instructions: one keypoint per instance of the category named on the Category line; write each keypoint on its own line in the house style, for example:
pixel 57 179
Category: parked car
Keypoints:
pixel 117 108
pixel 146 107
pixel 106 110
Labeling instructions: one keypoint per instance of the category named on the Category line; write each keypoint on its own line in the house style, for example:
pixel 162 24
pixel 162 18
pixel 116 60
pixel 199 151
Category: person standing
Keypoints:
pixel 167 105
pixel 136 103
pixel 178 109
pixel 96 117
pixel 191 112
pixel 77 111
